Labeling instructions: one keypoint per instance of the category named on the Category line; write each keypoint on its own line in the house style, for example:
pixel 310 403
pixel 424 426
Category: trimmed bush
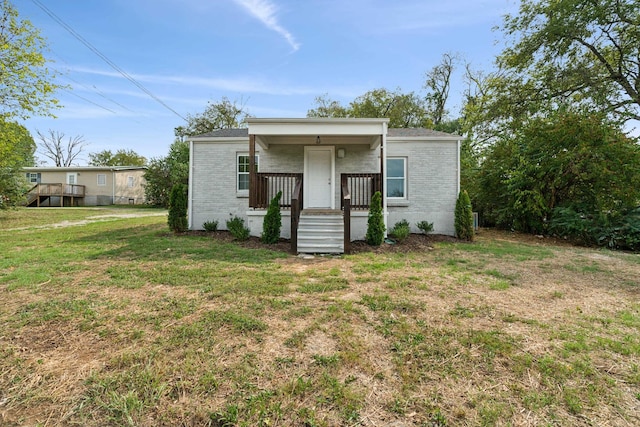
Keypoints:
pixel 375 221
pixel 237 229
pixel 272 221
pixel 464 217
pixel 177 219
pixel 401 230
pixel 425 226
pixel 210 226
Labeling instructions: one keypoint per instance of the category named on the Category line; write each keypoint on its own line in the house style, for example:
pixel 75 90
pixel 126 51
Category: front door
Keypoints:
pixel 318 177
pixel 72 178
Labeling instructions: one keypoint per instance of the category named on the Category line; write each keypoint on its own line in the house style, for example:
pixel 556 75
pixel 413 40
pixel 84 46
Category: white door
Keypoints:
pixel 72 178
pixel 318 177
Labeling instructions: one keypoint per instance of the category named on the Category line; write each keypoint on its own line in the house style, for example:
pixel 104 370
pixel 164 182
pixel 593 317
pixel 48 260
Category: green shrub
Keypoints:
pixel 272 221
pixel 425 226
pixel 401 230
pixel 613 230
pixel 464 217
pixel 177 218
pixel 237 229
pixel 210 225
pixel 375 221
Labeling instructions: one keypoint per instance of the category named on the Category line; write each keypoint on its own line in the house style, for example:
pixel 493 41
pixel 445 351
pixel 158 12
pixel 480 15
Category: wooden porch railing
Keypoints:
pixel 345 197
pixel 41 192
pixel 361 188
pixel 58 189
pixel 267 184
pixel 296 208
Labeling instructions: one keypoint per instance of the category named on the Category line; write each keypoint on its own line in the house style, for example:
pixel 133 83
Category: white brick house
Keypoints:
pixel 316 163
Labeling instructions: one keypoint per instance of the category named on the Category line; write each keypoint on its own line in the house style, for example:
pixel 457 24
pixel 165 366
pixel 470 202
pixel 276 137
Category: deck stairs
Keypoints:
pixel 321 231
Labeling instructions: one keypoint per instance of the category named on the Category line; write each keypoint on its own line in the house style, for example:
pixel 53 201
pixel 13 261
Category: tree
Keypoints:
pixel 62 153
pixel 404 110
pixel 569 160
pixel 463 221
pixel 17 150
pixel 217 115
pixel 574 52
pixel 438 83
pixel 326 107
pixel 122 157
pixel 272 221
pixel 27 85
pixel 177 218
pixel 375 221
pixel 164 172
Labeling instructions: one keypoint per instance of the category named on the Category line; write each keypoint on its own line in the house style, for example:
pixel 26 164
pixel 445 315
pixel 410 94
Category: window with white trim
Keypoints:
pixel 396 177
pixel 102 179
pixel 130 181
pixel 243 171
pixel 33 178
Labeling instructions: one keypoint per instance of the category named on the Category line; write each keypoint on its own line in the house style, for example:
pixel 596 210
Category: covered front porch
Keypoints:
pixel 327 171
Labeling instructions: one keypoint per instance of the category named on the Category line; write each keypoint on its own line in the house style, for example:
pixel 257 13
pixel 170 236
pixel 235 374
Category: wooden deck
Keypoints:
pixel 62 194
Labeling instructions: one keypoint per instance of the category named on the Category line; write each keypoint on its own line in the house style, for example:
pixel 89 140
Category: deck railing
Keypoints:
pixel 267 185
pixel 345 197
pixel 296 208
pixel 361 188
pixel 58 189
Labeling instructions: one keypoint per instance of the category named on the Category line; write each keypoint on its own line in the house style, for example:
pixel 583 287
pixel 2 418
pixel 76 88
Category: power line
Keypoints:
pixel 104 58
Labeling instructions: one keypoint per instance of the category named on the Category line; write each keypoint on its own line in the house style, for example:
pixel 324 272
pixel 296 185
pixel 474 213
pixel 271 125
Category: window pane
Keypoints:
pixel 102 179
pixel 243 163
pixel 395 168
pixel 395 187
pixel 243 181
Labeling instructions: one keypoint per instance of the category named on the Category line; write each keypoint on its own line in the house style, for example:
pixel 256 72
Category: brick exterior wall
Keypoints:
pixel 431 193
pixel 432 169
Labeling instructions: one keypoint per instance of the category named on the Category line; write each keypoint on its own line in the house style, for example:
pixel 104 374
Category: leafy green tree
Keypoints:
pixel 568 160
pixel 177 217
pixel 404 110
pixel 326 107
pixel 375 221
pixel 26 83
pixel 272 221
pixel 574 52
pixel 224 114
pixel 464 217
pixel 164 172
pixel 17 150
pixel 121 157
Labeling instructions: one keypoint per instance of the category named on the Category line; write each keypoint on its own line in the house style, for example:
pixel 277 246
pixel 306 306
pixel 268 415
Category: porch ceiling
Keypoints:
pixel 265 141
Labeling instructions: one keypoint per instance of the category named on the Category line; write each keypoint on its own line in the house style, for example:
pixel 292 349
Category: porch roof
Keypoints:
pixel 309 131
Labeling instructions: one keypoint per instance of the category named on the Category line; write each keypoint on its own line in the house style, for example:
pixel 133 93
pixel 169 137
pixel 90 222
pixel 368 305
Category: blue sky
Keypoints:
pixel 274 56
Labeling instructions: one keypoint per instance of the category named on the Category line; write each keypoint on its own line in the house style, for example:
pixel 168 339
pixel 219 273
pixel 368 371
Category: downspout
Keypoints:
pixel 190 188
pixel 383 150
pixel 458 167
pixel 113 186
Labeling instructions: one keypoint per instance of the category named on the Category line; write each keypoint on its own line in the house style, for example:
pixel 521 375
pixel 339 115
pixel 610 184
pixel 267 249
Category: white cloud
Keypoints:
pixel 265 12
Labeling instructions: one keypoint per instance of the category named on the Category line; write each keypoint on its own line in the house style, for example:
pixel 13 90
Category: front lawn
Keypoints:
pixel 115 321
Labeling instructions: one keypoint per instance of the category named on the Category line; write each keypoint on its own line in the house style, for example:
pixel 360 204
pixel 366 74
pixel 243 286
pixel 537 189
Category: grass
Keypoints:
pixel 116 321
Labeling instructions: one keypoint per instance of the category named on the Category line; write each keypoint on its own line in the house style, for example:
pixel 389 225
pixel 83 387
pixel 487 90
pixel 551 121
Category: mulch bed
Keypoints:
pixel 413 243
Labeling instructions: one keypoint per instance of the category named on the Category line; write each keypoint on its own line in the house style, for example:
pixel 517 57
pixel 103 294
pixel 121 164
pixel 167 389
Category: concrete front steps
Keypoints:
pixel 321 231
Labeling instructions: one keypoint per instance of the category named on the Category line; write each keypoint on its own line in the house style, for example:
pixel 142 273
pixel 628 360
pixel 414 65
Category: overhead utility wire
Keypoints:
pixel 103 57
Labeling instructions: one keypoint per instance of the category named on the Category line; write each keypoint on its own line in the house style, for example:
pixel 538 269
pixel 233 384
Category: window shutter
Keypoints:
pixel 39 177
